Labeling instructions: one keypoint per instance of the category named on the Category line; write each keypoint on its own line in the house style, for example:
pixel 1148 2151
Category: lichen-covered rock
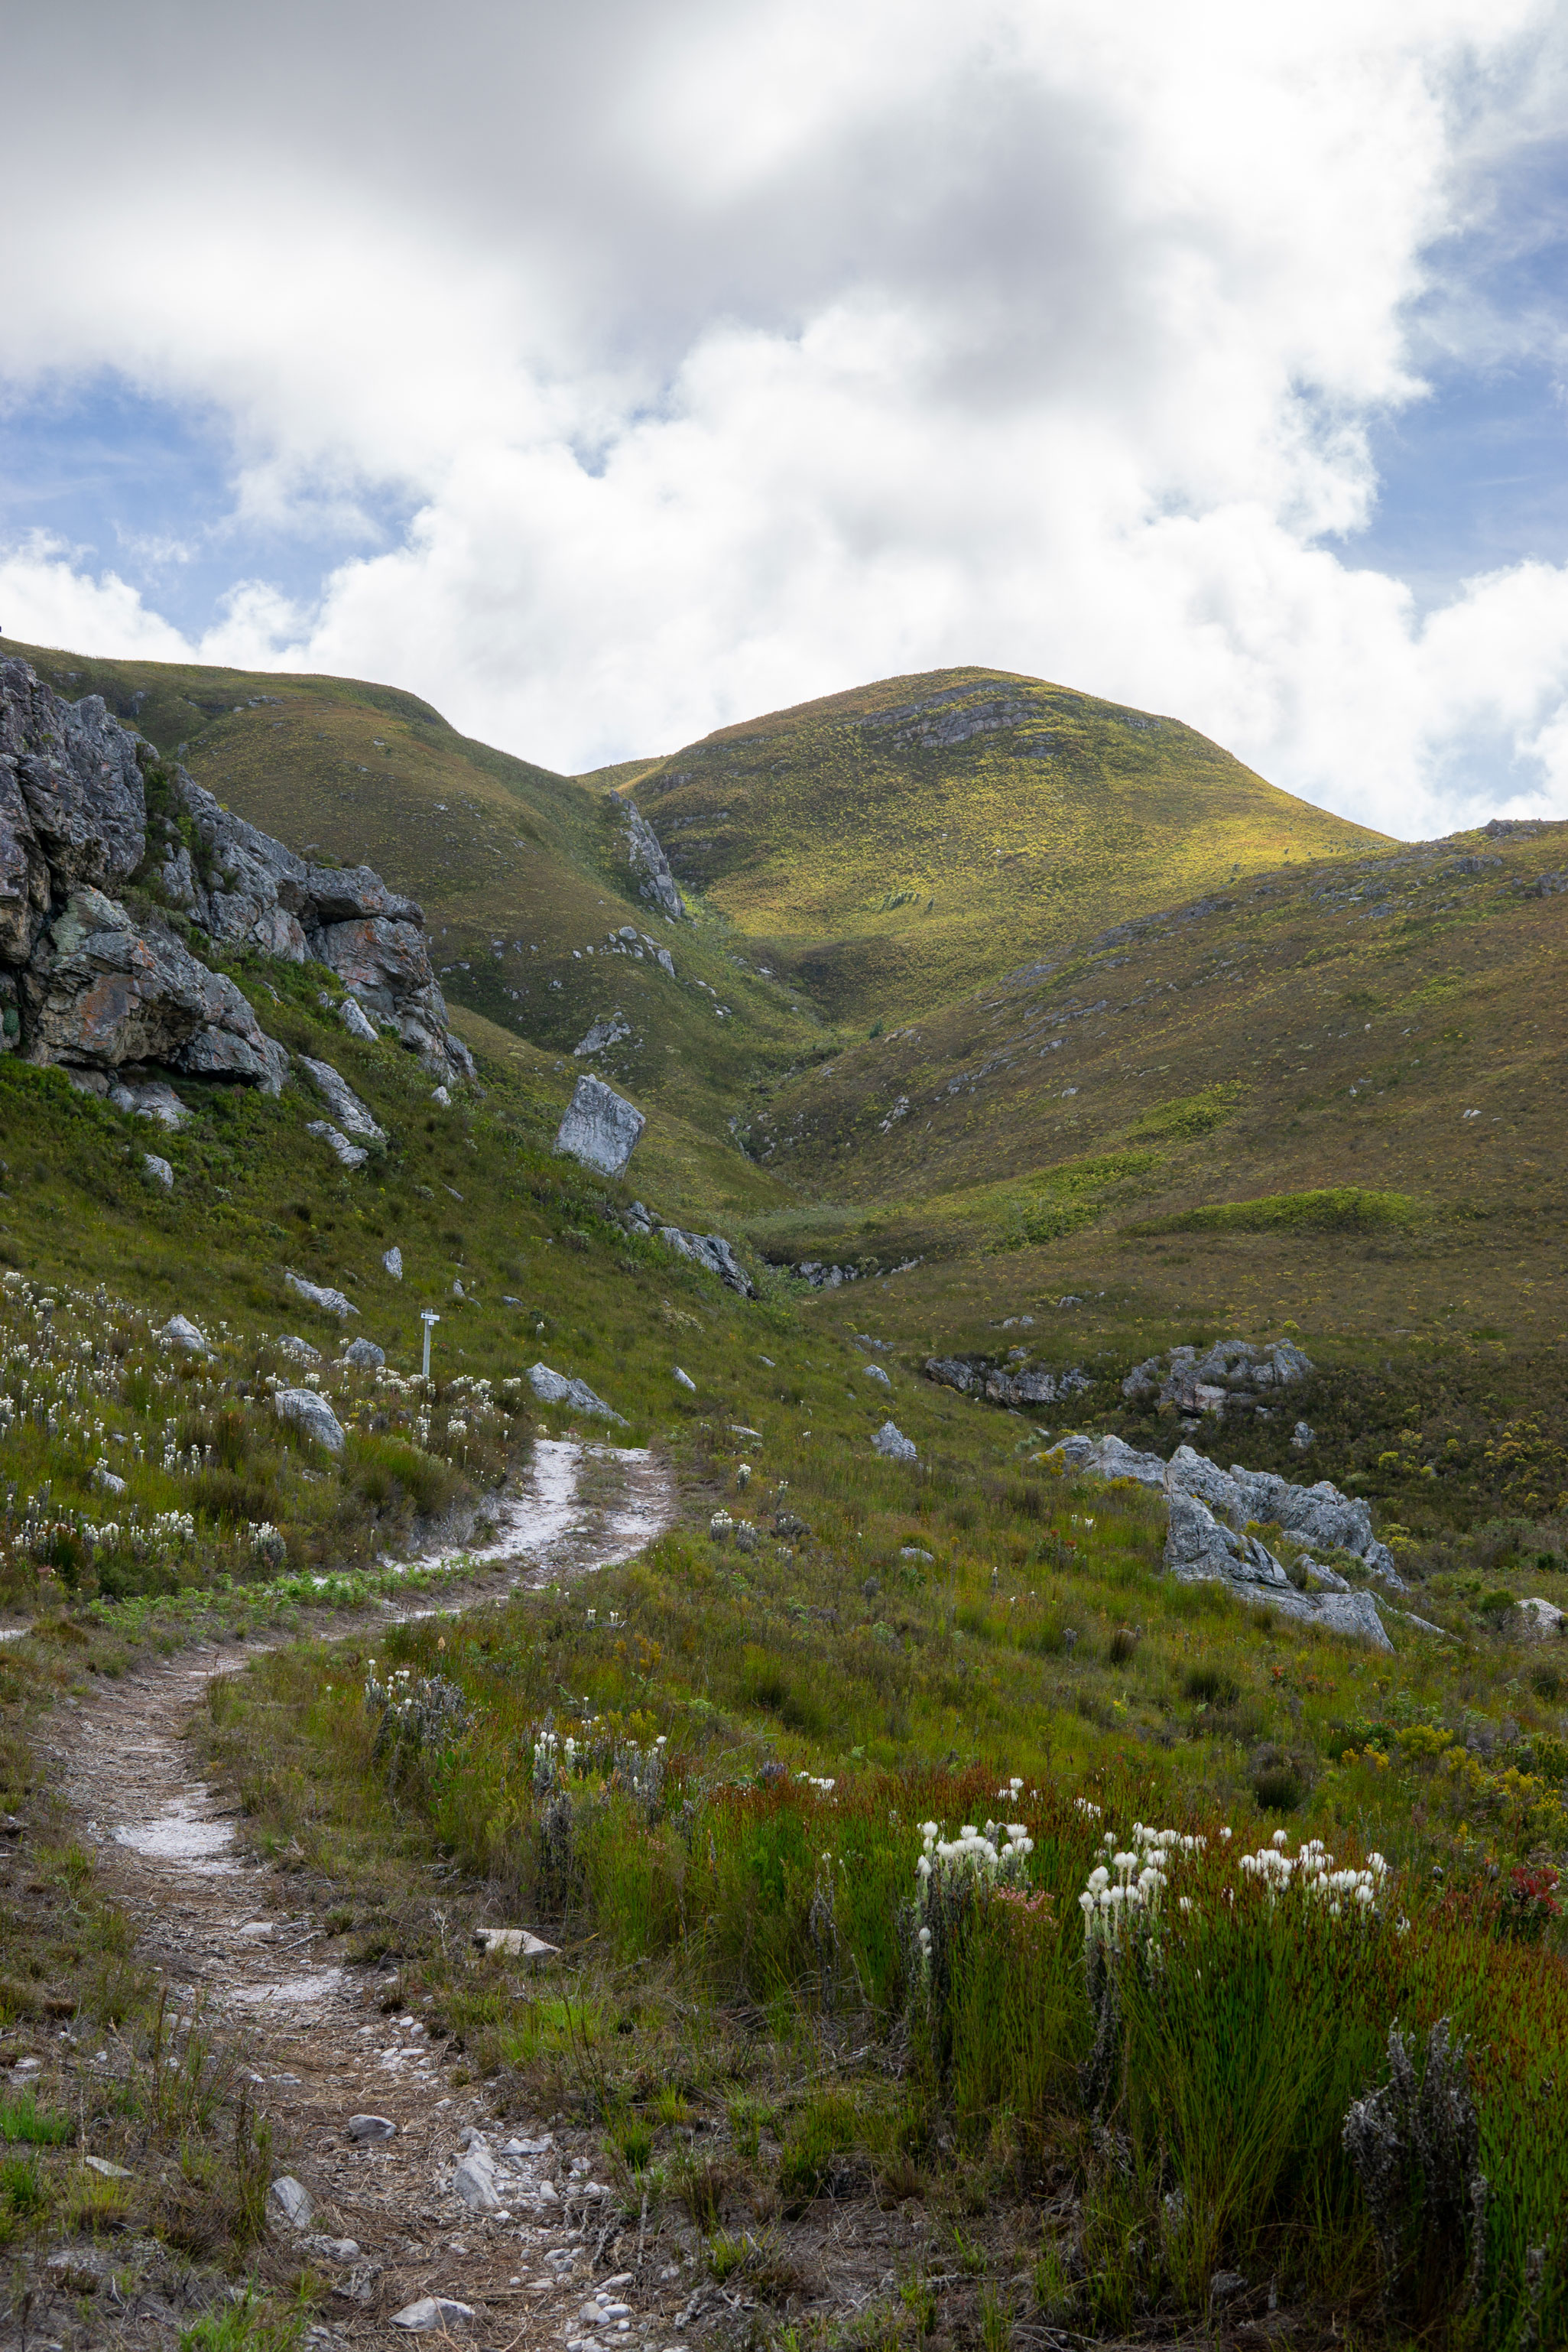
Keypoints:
pixel 364 1355
pixel 601 1128
pixel 554 1388
pixel 311 1414
pixel 714 1252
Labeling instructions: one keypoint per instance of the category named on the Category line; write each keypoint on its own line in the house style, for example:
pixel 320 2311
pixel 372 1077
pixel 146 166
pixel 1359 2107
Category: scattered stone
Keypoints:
pixel 353 1155
pixel 393 1263
pixel 1303 1436
pixel 363 1355
pixel 442 1096
pixel 311 1415
pixel 319 1295
pixel 107 1481
pixel 105 2169
pixel 475 2181
pixel 432 2311
pixel 157 1172
pixel 521 1942
pixel 875 1372
pixel 601 1128
pixel 891 1444
pixel 913 1551
pixel 554 1388
pixel 714 1252
pixel 1540 1621
pixel 355 1022
pixel 182 1333
pixel 685 1381
pixel 368 2129
pixel 292 2200
pixel 298 1351
pixel 332 2250
pixel 818 1276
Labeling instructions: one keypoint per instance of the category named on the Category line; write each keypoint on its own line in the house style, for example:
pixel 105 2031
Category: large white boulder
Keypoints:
pixel 601 1128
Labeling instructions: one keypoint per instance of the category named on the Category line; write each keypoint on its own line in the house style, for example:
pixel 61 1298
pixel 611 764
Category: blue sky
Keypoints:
pixel 1206 358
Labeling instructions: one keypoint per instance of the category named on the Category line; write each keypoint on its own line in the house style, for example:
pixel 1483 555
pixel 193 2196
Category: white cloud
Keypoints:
pixel 726 358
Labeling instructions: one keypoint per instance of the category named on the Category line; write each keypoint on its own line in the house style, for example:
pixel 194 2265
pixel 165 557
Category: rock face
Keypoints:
pixel 320 1294
pixel 1234 1372
pixel 977 1376
pixel 649 862
pixel 87 808
pixel 601 1128
pixel 1206 1538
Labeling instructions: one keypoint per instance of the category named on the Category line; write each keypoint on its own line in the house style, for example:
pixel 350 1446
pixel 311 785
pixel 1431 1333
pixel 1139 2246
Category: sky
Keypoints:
pixel 612 374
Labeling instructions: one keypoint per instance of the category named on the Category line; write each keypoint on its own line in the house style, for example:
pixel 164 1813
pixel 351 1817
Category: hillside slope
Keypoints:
pixel 524 875
pixel 886 848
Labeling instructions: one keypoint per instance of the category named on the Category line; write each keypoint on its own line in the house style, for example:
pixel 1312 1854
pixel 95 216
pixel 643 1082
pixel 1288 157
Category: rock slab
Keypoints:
pixel 601 1128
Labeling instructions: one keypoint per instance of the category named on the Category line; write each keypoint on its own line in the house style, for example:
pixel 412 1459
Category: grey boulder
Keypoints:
pixel 364 1355
pixel 355 1022
pixel 157 1172
pixel 601 1128
pixel 182 1333
pixel 393 1263
pixel 603 1033
pixel 893 1447
pixel 311 1414
pixel 432 2311
pixel 291 2200
pixel 554 1388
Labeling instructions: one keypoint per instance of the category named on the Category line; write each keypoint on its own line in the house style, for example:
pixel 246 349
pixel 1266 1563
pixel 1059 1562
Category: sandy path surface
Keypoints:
pixel 221 1929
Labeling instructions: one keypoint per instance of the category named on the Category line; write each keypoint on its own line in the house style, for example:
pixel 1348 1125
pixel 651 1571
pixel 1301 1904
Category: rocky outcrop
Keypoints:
pixel 88 808
pixel 1208 1538
pixel 710 1250
pixel 648 861
pixel 1234 1374
pixel 1009 1385
pixel 99 994
pixel 601 1128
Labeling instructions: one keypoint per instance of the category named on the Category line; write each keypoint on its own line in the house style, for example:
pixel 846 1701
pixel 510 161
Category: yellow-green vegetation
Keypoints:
pixel 888 848
pixel 709 1773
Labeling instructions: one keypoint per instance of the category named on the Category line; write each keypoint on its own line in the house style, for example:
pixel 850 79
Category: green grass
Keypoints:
pixel 1338 1209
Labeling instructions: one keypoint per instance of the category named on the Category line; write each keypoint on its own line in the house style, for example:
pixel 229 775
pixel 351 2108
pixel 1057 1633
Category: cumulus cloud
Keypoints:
pixel 723 358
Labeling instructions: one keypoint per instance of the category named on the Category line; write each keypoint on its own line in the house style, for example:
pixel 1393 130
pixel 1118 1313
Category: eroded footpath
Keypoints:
pixel 441 2211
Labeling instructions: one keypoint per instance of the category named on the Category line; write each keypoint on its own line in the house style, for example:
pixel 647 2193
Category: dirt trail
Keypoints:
pixel 221 1929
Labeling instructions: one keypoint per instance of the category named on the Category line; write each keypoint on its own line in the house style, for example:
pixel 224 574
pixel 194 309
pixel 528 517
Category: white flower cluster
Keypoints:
pixel 1129 1886
pixel 975 1852
pixel 1312 1870
pixel 822 1787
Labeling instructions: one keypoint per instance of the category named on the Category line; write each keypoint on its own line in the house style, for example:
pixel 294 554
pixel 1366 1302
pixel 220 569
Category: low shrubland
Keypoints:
pixel 814 1806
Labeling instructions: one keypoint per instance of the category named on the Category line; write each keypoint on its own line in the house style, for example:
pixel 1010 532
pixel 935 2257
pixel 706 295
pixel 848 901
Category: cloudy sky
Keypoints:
pixel 612 372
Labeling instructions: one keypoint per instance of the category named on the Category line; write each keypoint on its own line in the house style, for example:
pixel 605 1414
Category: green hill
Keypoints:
pixel 884 849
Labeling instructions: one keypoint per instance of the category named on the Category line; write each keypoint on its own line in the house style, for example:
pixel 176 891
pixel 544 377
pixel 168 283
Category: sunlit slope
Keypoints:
pixel 523 875
pixel 1390 1026
pixel 885 848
